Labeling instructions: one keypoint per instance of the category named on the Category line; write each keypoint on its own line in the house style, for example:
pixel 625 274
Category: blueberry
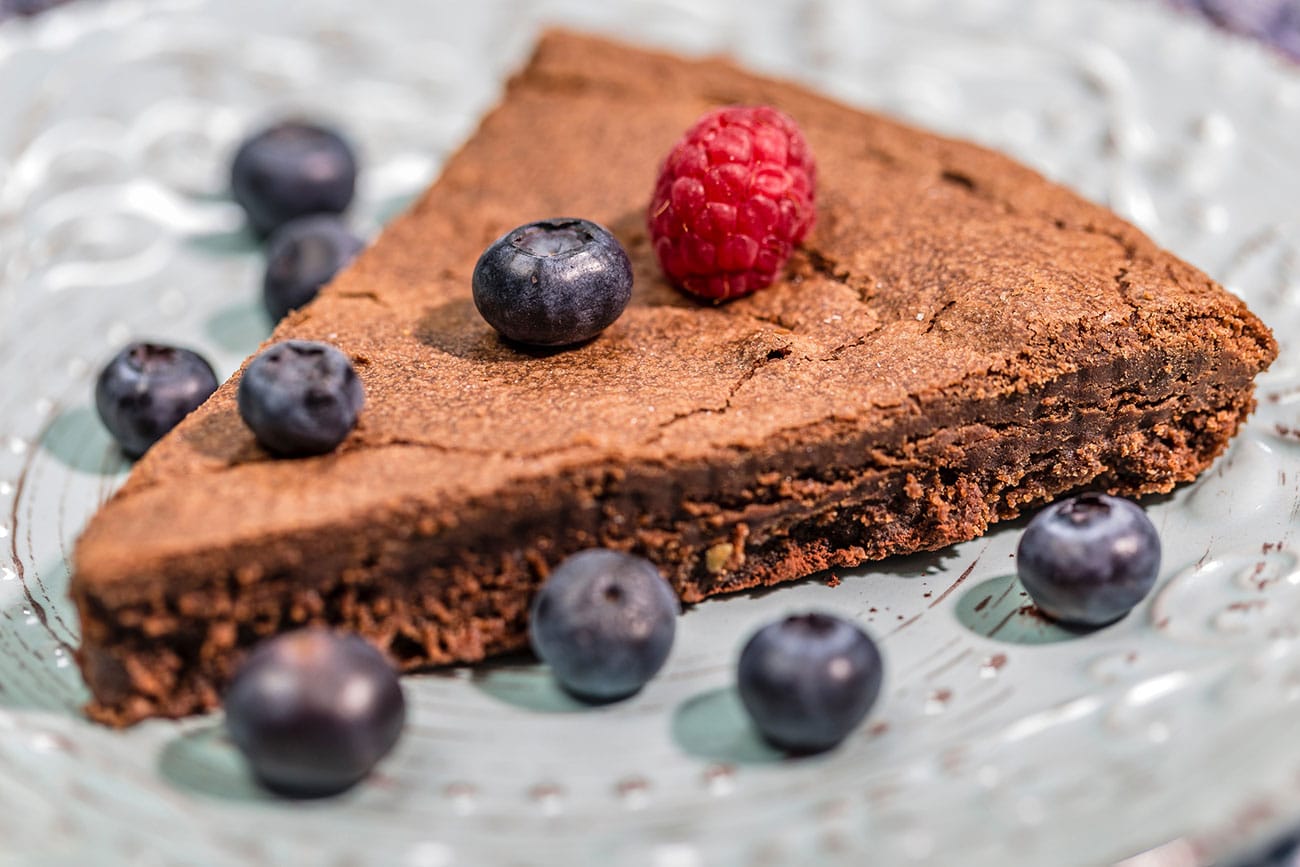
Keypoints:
pixel 290 170
pixel 553 283
pixel 808 680
pixel 1089 559
pixel 604 622
pixel 313 711
pixel 302 256
pixel 147 389
pixel 300 398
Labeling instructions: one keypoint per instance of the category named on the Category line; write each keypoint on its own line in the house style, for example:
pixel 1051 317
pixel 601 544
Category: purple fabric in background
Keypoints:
pixel 1276 22
pixel 15 8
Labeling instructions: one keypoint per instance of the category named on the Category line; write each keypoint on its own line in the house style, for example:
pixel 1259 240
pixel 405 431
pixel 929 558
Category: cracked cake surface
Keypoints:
pixel 957 339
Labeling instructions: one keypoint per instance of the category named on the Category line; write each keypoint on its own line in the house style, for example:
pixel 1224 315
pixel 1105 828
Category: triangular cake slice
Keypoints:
pixel 959 339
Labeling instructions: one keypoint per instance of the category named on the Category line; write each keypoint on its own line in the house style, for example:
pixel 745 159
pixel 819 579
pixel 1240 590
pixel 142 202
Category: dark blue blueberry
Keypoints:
pixel 313 711
pixel 302 256
pixel 1089 559
pixel 290 170
pixel 553 283
pixel 147 389
pixel 808 680
pixel 300 398
pixel 604 622
pixel 1283 851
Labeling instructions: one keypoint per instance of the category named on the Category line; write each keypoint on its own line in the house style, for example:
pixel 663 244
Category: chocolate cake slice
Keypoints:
pixel 958 339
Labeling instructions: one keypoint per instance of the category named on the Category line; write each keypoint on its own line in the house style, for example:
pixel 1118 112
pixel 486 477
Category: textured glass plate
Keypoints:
pixel 998 739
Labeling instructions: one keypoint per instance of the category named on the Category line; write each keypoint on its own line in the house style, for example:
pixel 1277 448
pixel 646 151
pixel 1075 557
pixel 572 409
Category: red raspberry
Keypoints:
pixel 733 198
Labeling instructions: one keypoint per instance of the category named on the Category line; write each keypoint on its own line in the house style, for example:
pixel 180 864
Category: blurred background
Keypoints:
pixel 1276 22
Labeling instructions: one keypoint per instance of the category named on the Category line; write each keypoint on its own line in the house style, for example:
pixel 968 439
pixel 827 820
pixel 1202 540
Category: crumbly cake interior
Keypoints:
pixel 957 340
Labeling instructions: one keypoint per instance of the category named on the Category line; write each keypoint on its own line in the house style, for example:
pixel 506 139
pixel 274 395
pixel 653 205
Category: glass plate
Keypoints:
pixel 998 740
